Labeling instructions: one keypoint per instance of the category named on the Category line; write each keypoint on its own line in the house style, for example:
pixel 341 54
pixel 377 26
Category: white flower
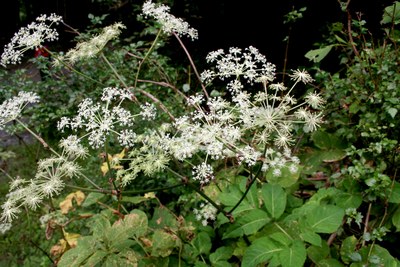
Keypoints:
pixel 169 23
pixel 30 37
pixel 148 111
pixel 203 173
pixel 301 76
pixel 89 49
pixel 12 108
pixel 249 64
pixel 207 212
pixel 315 100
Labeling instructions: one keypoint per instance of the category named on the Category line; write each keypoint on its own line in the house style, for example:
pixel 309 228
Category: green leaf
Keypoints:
pixel 394 193
pixel 326 141
pixel 286 179
pixel 317 55
pixel 325 218
pixel 133 225
pixel 392 111
pixel 396 219
pixel 391 14
pixel 318 253
pixel 260 251
pixel 99 225
pixel 163 243
pixel 274 199
pixel 96 258
pixel 92 198
pixel 76 256
pixel 348 248
pixel 311 237
pixel 294 255
pixel 248 224
pixel 202 243
pixel 220 256
pixel 348 200
pixel 330 263
pixel 162 218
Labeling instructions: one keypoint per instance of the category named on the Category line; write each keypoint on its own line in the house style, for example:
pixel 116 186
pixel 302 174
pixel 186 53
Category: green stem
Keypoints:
pixel 113 69
pixel 73 69
pixel 145 57
pixel 195 188
pixel 46 146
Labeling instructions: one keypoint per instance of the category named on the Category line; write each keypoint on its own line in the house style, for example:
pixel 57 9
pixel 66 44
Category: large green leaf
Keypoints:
pixel 163 243
pixel 247 224
pixel 96 257
pixel 318 253
pixel 202 243
pixel 293 256
pixel 286 179
pixel 220 256
pixel 317 55
pixel 260 251
pixel 274 199
pixel 78 255
pixel 325 218
pixel 133 225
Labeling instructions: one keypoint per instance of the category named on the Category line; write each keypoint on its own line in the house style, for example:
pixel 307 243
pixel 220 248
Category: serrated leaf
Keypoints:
pixel 274 199
pixel 325 218
pixel 317 55
pixel 260 251
pixel 293 256
pixel 247 224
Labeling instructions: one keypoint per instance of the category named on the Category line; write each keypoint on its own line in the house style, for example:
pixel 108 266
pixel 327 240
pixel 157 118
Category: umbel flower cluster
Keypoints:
pixel 256 123
pixel 30 37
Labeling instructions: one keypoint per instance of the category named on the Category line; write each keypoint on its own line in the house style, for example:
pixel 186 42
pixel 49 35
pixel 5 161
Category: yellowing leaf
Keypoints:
pixel 72 239
pixel 113 161
pixel 66 205
pixel 150 195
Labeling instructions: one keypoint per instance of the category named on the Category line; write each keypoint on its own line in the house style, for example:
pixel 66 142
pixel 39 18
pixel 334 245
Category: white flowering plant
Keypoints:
pixel 173 174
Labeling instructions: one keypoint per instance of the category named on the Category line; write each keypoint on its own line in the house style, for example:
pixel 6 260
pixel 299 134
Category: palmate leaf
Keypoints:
pixel 262 250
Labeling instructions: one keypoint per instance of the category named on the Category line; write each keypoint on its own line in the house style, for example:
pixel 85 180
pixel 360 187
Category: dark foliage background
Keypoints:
pixel 221 23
